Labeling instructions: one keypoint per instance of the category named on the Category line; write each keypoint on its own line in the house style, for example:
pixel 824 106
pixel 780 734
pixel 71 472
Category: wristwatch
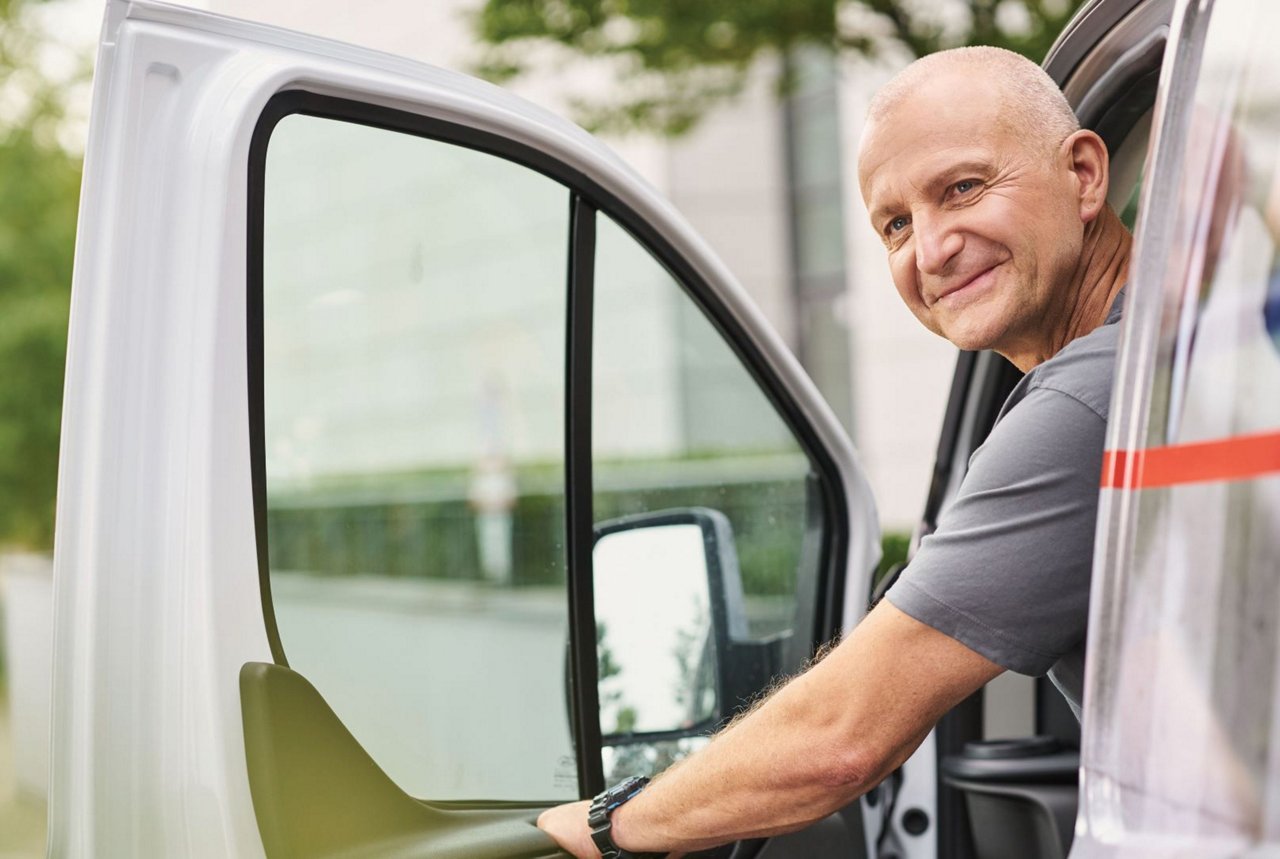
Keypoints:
pixel 602 809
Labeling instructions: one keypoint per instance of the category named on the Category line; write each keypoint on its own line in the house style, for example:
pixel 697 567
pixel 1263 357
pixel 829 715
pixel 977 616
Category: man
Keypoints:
pixel 991 203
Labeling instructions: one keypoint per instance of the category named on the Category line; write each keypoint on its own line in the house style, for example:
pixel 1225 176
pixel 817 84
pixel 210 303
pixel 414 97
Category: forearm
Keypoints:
pixel 787 764
pixel 816 744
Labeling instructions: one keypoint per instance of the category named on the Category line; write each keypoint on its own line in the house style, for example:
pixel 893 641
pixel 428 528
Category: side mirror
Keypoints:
pixel 676 658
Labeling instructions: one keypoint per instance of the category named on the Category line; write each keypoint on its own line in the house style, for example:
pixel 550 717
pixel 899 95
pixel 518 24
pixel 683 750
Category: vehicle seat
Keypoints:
pixel 1021 796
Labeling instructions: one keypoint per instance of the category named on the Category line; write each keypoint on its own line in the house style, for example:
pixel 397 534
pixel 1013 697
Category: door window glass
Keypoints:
pixel 413 354
pixel 680 424
pixel 1184 686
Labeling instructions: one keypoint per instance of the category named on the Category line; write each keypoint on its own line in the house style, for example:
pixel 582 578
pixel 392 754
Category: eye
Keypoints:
pixel 964 186
pixel 897 225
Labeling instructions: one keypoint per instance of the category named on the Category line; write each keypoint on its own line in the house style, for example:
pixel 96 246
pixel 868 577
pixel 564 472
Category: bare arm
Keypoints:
pixel 820 741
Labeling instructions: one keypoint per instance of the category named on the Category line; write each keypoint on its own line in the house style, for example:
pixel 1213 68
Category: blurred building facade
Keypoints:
pixel 771 184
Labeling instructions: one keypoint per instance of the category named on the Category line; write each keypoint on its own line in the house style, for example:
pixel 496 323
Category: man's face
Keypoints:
pixel 982 226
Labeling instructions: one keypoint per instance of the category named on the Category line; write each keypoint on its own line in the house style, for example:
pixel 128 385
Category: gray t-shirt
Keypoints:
pixel 1007 570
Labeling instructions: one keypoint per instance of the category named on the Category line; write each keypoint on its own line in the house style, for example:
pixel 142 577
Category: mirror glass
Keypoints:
pixel 653 630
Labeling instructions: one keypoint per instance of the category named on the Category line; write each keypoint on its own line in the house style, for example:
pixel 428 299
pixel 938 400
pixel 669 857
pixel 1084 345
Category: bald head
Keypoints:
pixel 1031 102
pixel 991 203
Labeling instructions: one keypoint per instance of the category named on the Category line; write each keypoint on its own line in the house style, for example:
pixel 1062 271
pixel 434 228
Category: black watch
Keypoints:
pixel 603 807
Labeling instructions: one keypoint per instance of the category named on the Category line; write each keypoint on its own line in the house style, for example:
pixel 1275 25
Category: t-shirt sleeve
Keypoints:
pixel 1007 570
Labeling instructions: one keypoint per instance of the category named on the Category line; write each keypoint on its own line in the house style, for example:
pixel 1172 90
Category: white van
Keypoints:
pixel 380 380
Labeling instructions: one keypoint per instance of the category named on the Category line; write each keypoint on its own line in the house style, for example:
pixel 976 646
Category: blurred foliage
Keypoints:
pixel 39 193
pixel 675 58
pixel 437 539
pixel 893 548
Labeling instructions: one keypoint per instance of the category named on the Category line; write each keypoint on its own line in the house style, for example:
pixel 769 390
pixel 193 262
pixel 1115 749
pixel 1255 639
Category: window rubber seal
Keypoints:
pixel 835 537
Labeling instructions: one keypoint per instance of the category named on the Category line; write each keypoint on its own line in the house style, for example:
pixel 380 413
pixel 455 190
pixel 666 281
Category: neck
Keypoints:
pixel 1100 274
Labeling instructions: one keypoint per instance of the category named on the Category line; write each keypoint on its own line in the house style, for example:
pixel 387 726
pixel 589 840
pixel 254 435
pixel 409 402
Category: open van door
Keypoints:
pixel 373 369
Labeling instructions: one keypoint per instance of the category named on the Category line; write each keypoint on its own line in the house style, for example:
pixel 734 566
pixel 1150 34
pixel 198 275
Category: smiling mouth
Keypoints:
pixel 978 279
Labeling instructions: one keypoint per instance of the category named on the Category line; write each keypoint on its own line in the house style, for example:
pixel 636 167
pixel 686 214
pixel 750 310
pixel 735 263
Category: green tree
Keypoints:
pixel 39 192
pixel 677 58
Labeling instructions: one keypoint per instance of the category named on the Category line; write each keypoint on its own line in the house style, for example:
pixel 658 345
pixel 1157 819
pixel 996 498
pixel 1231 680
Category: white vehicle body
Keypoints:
pixel 163 575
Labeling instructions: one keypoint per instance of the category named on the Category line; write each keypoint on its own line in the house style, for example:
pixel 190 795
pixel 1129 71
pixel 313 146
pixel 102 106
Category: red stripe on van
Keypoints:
pixel 1241 457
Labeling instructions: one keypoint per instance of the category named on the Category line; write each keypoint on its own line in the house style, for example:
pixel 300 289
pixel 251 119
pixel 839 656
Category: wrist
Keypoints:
pixel 603 813
pixel 619 829
pixel 633 836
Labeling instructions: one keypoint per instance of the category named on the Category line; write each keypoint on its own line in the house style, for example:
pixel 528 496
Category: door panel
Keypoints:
pixel 318 793
pixel 219 517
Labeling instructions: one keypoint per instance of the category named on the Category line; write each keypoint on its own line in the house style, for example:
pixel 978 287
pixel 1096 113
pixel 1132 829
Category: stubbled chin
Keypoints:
pixel 974 321
pixel 971 330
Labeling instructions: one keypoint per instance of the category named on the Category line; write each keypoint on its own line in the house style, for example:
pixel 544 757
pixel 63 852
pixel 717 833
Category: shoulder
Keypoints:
pixel 1082 371
pixel 1049 437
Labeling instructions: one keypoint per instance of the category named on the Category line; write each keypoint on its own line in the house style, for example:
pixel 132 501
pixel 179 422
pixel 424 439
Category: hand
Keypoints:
pixel 567 824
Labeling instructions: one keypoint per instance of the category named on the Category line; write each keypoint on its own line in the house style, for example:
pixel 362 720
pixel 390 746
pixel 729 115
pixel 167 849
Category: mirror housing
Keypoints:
pixel 743 667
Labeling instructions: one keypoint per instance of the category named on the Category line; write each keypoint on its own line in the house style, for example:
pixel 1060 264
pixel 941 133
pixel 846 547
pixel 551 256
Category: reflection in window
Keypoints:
pixel 1184 709
pixel 679 422
pixel 413 359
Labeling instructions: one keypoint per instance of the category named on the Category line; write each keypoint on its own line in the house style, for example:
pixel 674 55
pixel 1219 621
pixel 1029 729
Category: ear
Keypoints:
pixel 1087 160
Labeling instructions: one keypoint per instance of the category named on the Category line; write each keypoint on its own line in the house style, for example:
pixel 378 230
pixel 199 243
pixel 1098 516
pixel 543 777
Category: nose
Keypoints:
pixel 937 243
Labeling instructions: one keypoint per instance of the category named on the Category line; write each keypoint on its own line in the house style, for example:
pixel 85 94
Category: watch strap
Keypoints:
pixel 599 818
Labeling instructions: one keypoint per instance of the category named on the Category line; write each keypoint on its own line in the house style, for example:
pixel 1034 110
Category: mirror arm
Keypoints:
pixel 753 668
